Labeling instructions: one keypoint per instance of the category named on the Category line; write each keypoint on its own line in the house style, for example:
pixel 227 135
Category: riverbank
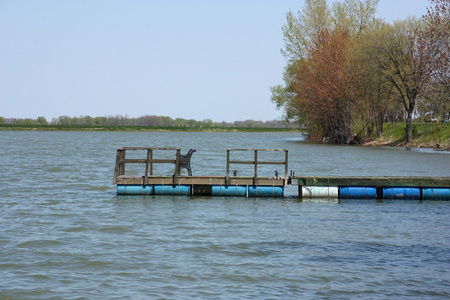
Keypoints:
pixel 436 135
pixel 14 127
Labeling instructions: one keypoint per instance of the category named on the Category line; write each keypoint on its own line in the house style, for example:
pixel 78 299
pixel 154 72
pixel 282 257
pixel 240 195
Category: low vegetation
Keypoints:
pixel 37 127
pixel 148 122
pixel 436 135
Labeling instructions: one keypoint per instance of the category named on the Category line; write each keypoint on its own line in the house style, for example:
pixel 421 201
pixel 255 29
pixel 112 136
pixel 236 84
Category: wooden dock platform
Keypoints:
pixel 230 184
pixel 384 181
pixel 350 187
pixel 199 180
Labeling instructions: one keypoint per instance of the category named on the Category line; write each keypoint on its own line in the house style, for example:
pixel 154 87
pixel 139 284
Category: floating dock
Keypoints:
pixel 351 187
pixel 147 183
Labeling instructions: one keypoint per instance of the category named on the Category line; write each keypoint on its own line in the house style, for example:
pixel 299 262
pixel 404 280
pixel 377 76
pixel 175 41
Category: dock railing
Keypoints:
pixel 121 161
pixel 257 162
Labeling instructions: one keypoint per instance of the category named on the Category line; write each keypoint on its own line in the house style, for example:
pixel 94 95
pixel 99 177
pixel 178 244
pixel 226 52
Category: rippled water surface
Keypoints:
pixel 64 233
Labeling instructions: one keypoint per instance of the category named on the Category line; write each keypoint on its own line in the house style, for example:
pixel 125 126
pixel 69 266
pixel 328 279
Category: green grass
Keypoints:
pixel 14 127
pixel 427 135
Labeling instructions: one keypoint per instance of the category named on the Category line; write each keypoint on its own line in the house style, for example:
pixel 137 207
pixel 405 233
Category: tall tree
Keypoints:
pixel 433 43
pixel 322 86
pixel 300 32
pixel 406 69
pixel 309 41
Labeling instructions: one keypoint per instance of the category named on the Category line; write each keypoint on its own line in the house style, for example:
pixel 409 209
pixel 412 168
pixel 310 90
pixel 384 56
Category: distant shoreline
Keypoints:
pixel 393 136
pixel 12 127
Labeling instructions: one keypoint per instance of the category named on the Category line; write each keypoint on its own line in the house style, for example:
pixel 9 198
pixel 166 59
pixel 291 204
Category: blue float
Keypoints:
pixel 411 193
pixel 134 189
pixel 172 190
pixel 229 190
pixel 357 192
pixel 265 191
pixel 437 193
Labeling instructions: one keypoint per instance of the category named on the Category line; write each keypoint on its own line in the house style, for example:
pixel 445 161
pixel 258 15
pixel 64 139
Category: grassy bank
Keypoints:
pixel 12 127
pixel 425 135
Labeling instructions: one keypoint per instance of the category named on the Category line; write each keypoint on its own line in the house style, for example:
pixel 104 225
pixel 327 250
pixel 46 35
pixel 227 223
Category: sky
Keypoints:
pixel 191 59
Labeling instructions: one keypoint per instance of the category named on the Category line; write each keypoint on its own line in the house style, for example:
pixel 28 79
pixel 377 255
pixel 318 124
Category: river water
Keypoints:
pixel 65 234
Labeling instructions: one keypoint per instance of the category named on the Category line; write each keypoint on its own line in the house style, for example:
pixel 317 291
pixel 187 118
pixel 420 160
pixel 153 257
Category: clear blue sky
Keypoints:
pixel 192 59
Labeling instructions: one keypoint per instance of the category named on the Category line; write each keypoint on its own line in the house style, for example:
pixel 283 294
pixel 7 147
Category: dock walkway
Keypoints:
pixel 350 187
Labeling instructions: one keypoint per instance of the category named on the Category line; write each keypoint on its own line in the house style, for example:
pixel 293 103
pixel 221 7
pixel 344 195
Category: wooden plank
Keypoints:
pixel 200 180
pixel 371 181
pixel 271 162
pixel 249 162
pixel 144 161
pixel 240 149
pixel 177 162
pixel 148 148
pixel 286 168
pixel 147 165
pixel 117 167
pixel 242 162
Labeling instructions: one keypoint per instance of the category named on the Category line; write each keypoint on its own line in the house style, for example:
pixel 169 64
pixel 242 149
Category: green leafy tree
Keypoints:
pixel 306 38
pixel 41 121
pixel 406 70
pixel 433 43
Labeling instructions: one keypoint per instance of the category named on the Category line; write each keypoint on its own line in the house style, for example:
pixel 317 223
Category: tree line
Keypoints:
pixel 348 72
pixel 157 121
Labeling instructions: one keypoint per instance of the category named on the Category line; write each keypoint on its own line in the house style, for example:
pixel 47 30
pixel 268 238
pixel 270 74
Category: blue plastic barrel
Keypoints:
pixel 320 192
pixel 437 193
pixel 134 189
pixel 411 193
pixel 172 190
pixel 357 192
pixel 229 190
pixel 265 191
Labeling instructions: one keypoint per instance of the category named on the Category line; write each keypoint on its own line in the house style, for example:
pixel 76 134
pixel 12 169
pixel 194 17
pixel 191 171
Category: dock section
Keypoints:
pixel 388 187
pixel 136 168
pixel 229 185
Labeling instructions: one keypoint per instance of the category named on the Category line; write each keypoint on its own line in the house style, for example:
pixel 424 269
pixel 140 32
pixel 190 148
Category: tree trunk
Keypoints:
pixel 380 121
pixel 409 113
pixel 370 128
pixel 408 129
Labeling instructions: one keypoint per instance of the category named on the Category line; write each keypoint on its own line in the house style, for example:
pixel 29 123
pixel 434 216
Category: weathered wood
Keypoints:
pixel 256 162
pixel 371 181
pixel 144 161
pixel 257 149
pixel 200 180
pixel 271 163
pixel 121 161
pixel 149 148
pixel 255 176
pixel 119 168
pixel 177 170
pixel 204 182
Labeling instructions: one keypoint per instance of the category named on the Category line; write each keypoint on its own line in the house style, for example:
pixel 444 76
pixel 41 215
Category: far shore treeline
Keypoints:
pixel 144 121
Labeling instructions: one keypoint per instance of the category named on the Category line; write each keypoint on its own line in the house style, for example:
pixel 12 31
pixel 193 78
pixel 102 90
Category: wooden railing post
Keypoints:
pixel 227 182
pixel 255 177
pixel 151 161
pixel 286 168
pixel 177 170
pixel 119 168
pixel 147 162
